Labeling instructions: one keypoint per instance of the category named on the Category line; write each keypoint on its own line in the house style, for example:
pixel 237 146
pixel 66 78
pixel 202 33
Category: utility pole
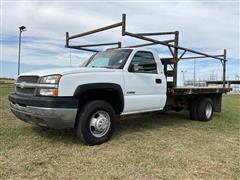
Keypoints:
pixel 21 29
pixel 237 85
pixel 183 76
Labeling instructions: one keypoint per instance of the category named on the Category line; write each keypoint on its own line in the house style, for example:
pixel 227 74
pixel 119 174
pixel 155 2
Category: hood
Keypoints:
pixel 64 71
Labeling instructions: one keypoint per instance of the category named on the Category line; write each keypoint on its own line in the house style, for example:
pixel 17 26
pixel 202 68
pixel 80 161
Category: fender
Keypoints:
pixel 81 89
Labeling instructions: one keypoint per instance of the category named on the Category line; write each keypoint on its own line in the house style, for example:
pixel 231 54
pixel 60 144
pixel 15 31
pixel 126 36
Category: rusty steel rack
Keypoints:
pixel 172 44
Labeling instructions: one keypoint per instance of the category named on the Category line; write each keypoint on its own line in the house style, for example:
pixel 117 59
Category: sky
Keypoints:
pixel 205 26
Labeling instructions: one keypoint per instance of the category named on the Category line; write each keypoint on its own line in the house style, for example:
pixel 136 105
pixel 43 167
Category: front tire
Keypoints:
pixel 96 122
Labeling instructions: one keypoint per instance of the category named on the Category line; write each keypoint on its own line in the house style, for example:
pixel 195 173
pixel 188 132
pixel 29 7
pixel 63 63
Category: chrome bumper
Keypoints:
pixel 57 118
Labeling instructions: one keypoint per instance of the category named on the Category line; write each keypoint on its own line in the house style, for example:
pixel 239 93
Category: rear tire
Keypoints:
pixel 205 109
pixel 193 109
pixel 96 123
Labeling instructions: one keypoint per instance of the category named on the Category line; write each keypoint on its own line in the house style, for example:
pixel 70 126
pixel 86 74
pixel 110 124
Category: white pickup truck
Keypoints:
pixel 117 81
pixel 113 82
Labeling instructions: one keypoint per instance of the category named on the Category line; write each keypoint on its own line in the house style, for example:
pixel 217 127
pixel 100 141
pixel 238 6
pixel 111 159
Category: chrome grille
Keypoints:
pixel 27 79
pixel 26 91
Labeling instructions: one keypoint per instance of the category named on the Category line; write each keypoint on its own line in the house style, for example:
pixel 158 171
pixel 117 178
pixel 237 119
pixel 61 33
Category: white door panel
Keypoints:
pixel 143 93
pixel 135 82
pixel 140 103
pixel 145 87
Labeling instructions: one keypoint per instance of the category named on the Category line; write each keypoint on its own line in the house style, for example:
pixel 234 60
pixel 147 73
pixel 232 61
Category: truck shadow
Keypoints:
pixel 127 124
pixel 153 121
pixel 66 136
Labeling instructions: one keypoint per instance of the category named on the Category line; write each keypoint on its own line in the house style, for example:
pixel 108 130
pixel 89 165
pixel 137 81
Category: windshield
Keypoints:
pixel 114 59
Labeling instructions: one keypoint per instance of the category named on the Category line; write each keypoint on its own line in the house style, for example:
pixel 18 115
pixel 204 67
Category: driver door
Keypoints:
pixel 144 88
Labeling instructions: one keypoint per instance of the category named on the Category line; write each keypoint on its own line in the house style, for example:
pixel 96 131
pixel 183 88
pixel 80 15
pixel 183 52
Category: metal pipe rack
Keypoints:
pixel 172 44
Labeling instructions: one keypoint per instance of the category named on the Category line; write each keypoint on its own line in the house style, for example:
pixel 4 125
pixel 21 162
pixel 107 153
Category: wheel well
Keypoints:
pixel 107 94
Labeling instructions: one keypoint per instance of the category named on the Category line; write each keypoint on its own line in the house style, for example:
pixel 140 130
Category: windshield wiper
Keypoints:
pixel 108 67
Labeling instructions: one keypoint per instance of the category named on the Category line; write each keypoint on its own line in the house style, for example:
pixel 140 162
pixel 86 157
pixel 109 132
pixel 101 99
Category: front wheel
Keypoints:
pixel 96 122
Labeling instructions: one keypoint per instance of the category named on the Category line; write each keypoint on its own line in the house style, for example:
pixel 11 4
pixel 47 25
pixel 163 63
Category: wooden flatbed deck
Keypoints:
pixel 197 90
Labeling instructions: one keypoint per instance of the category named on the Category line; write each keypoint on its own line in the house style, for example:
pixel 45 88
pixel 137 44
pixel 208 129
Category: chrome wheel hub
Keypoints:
pixel 208 110
pixel 99 123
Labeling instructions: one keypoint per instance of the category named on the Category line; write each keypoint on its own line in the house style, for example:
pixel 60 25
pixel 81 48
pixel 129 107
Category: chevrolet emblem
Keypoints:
pixel 22 84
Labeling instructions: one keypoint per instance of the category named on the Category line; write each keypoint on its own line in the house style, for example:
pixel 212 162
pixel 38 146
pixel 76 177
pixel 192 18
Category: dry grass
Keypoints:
pixel 7 81
pixel 153 146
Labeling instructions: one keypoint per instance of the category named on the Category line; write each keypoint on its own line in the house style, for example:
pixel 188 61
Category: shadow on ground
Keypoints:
pixel 127 124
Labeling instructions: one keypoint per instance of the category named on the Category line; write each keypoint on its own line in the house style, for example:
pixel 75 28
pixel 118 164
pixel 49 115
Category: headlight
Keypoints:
pixel 48 92
pixel 52 79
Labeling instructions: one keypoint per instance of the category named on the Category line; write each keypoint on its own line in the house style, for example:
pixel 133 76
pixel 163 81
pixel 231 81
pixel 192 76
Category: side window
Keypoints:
pixel 143 62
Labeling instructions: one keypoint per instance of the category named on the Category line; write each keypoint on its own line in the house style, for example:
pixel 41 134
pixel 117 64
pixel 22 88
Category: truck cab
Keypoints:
pixel 113 82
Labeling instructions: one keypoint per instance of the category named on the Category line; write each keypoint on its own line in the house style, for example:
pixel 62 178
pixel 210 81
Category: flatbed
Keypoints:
pixel 197 90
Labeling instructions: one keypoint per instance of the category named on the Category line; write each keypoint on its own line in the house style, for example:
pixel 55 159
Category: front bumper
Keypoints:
pixel 52 112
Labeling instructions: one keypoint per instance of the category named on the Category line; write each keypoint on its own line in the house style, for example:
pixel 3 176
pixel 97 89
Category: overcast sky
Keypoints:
pixel 205 26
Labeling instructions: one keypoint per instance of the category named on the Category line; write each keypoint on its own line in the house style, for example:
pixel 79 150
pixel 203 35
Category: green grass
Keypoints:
pixel 149 146
pixel 4 91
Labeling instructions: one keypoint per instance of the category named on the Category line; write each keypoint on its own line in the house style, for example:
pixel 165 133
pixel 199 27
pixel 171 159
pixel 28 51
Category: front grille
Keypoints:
pixel 27 79
pixel 26 91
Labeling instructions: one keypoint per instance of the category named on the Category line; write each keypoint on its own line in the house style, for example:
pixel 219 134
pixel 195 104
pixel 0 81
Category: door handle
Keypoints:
pixel 158 81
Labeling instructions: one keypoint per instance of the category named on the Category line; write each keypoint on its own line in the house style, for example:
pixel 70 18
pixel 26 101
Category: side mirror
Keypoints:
pixel 130 69
pixel 133 68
